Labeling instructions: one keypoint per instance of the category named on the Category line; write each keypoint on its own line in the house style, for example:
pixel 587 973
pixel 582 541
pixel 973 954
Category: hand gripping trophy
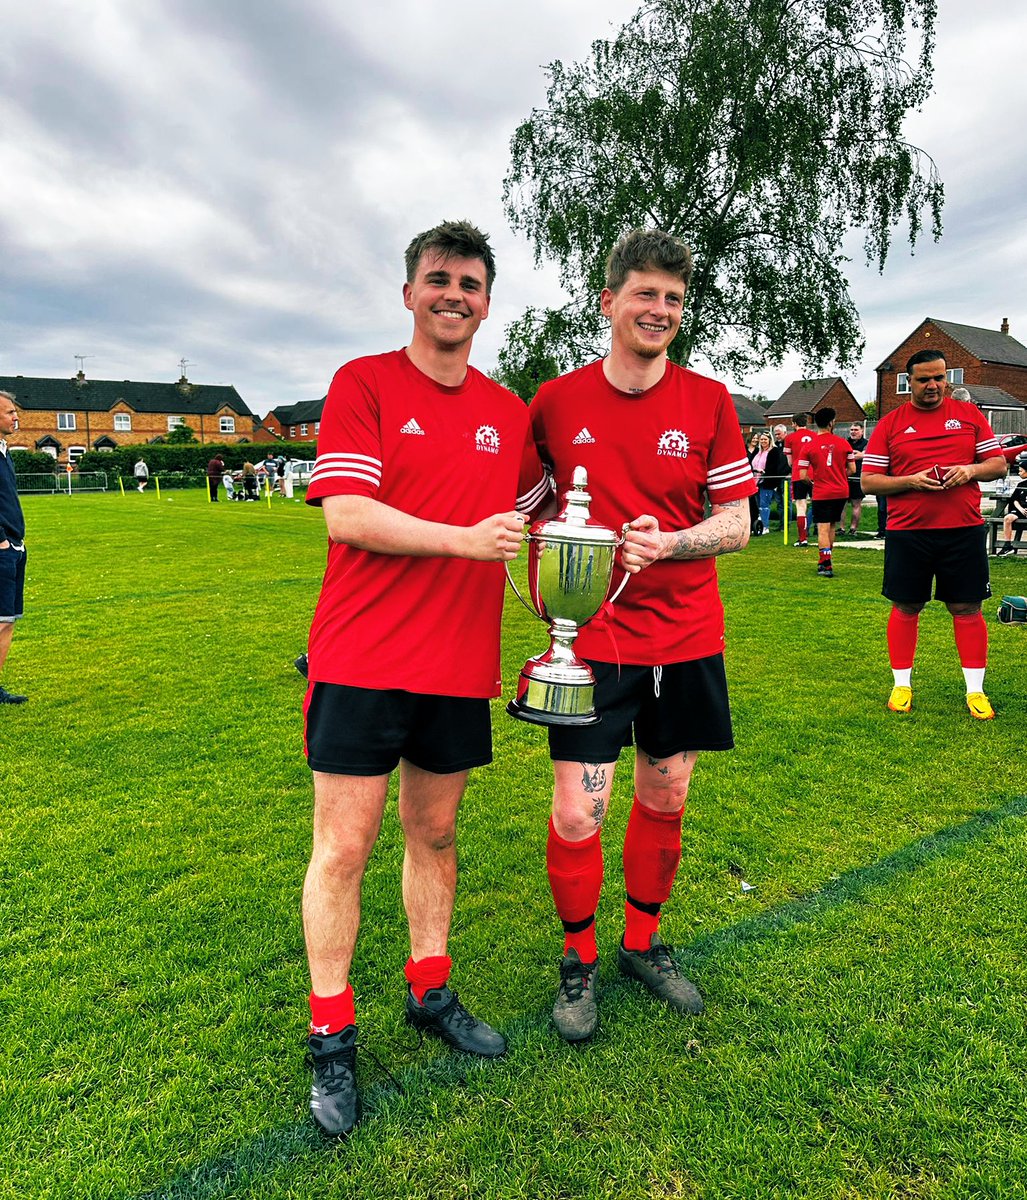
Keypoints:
pixel 570 569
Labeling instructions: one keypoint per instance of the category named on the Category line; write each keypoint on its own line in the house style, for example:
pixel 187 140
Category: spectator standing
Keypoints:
pixel 762 466
pixel 141 472
pixel 215 470
pixel 12 543
pixel 249 481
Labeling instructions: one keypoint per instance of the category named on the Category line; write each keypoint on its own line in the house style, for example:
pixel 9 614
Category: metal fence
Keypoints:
pixel 69 482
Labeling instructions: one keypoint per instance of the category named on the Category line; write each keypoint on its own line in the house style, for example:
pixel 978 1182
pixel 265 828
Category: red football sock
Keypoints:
pixel 330 1014
pixel 576 879
pixel 652 851
pixel 803 528
pixel 427 973
pixel 902 633
pixel 971 640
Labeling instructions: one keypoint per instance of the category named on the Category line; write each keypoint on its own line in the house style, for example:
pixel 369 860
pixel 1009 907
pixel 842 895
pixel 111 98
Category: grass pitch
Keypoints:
pixel 864 1035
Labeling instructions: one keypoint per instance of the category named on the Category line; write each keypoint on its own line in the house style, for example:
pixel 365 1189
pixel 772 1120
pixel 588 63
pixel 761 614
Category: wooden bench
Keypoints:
pixel 994 527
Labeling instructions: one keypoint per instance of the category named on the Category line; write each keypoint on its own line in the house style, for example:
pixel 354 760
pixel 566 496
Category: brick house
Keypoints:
pixel 808 395
pixel 989 363
pixel 67 417
pixel 300 422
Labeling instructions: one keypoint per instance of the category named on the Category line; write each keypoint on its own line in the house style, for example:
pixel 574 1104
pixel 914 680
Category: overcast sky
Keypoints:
pixel 234 181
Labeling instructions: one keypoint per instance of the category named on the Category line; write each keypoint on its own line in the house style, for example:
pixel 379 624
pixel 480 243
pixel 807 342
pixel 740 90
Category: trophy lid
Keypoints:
pixel 574 523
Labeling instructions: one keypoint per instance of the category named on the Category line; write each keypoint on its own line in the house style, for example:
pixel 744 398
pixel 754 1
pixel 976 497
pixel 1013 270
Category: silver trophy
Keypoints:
pixel 570 569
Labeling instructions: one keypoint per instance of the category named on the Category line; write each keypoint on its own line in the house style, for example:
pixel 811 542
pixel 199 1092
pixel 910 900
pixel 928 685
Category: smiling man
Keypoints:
pixel 418 466
pixel 928 457
pixel 658 442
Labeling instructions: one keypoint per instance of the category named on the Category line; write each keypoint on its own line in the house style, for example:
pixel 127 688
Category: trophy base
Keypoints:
pixel 547 702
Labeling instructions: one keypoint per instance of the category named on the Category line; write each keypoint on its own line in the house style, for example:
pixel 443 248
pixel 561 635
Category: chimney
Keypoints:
pixel 1005 325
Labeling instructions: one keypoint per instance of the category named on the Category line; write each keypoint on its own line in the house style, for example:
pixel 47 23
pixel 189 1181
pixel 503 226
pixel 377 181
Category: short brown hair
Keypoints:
pixel 453 239
pixel 648 250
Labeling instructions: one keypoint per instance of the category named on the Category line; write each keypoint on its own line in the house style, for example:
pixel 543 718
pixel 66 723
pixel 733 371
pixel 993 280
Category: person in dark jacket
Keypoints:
pixel 215 469
pixel 12 543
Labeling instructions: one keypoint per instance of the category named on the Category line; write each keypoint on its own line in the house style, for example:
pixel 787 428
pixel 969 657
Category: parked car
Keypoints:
pixel 300 469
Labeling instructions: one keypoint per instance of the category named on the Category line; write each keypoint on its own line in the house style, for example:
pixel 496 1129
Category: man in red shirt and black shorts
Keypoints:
pixel 927 456
pixel 827 461
pixel 802 489
pixel 658 442
pixel 419 470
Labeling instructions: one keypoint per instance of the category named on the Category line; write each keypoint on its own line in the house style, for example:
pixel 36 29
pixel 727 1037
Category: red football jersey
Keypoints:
pixel 447 454
pixel 826 456
pixel 793 444
pixel 909 440
pixel 662 454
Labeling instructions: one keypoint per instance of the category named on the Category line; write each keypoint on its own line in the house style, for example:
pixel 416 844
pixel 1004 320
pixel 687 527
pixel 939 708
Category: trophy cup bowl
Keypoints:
pixel 570 569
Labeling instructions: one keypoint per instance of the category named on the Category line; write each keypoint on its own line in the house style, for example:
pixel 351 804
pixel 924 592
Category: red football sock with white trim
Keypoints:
pixel 652 851
pixel 903 629
pixel 427 973
pixel 576 878
pixel 331 1014
pixel 803 528
pixel 971 634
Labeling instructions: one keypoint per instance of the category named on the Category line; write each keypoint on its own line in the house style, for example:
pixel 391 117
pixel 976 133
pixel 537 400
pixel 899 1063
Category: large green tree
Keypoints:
pixel 762 132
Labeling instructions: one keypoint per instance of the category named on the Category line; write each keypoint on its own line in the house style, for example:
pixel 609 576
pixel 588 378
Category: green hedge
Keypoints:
pixel 188 458
pixel 33 462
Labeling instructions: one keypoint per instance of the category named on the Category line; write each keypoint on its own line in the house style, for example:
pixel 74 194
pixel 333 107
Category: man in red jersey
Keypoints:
pixel 827 462
pixel 658 442
pixel 802 489
pixel 418 472
pixel 927 456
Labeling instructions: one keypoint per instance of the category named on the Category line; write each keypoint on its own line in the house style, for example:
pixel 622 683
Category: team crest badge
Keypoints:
pixel 952 423
pixel 673 443
pixel 487 439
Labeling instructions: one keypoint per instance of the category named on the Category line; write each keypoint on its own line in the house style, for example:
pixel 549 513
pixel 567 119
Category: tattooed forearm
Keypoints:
pixel 593 777
pixel 725 531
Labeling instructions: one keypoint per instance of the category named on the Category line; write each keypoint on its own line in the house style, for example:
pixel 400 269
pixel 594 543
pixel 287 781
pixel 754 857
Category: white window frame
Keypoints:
pixel 122 422
pixel 226 425
pixel 66 421
pixel 303 431
pixel 175 423
pixel 75 453
pixel 955 376
pixel 902 384
pixel 317 428
pixel 292 431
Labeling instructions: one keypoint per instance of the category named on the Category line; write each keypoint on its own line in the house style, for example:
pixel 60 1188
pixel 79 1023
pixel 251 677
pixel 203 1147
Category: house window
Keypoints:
pixel 303 431
pixel 292 431
pixel 175 422
pixel 226 425
pixel 122 422
pixel 317 428
pixel 955 376
pixel 65 420
pixel 75 453
pixel 902 384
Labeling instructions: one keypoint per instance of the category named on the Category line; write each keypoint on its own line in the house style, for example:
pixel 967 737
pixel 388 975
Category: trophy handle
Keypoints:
pixel 517 592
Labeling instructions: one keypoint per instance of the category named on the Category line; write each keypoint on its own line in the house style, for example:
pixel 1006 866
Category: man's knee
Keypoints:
pixel 970 609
